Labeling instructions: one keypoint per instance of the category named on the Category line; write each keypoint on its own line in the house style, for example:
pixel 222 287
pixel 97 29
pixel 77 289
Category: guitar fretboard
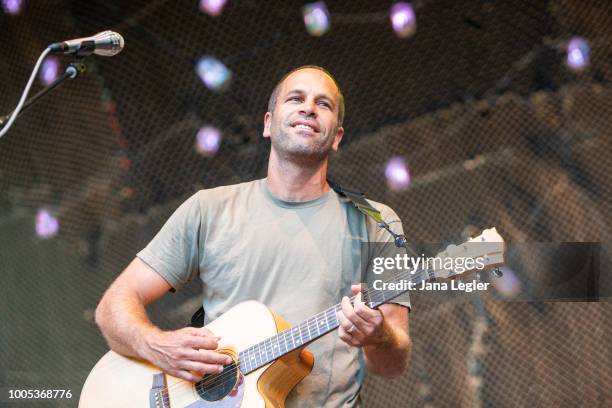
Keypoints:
pixel 286 341
pixel 260 354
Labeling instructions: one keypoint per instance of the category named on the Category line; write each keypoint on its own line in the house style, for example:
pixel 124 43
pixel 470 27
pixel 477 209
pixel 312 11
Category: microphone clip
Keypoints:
pixel 86 48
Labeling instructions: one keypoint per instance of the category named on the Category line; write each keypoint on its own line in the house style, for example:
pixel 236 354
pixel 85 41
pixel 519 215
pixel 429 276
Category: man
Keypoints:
pixel 288 241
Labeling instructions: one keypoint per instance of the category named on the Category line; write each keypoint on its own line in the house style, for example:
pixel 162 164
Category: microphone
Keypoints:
pixel 106 43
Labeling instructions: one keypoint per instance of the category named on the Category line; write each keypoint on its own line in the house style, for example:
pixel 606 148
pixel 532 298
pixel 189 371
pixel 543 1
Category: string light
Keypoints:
pixel 47 225
pixel 208 141
pixel 213 73
pixel 403 19
pixel 396 174
pixel 212 7
pixel 316 18
pixel 13 7
pixel 49 70
pixel 578 51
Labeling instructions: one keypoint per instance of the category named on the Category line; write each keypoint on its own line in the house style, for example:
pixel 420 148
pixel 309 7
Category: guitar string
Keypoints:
pixel 312 326
pixel 219 380
pixel 232 371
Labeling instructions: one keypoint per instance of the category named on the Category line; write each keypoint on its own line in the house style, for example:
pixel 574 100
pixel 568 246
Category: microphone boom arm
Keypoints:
pixel 73 70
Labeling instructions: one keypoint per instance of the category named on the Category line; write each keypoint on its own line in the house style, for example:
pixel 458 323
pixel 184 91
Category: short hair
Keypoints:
pixel 274 96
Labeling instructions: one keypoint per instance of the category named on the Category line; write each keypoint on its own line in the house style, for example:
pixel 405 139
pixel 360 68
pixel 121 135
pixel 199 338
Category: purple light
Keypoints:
pixel 208 140
pixel 212 7
pixel 12 6
pixel 508 285
pixel 578 51
pixel 316 18
pixel 397 174
pixel 47 226
pixel 49 71
pixel 403 19
pixel 213 73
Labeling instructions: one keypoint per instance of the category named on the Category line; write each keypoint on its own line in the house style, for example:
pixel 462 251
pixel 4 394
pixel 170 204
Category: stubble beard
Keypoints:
pixel 308 153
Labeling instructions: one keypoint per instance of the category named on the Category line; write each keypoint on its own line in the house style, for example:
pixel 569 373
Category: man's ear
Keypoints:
pixel 267 123
pixel 338 138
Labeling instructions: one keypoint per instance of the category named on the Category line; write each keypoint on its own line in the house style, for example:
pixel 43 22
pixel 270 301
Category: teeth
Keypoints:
pixel 304 127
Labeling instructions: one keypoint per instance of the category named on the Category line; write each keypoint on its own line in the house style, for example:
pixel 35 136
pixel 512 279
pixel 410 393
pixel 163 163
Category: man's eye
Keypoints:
pixel 326 104
pixel 294 98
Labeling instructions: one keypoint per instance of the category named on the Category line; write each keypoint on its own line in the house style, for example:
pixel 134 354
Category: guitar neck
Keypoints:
pixel 272 348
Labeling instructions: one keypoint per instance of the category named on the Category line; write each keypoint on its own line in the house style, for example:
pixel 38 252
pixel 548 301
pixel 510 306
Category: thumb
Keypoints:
pixel 355 289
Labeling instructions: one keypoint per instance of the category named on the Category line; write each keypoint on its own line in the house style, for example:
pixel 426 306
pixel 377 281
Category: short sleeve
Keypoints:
pixel 174 251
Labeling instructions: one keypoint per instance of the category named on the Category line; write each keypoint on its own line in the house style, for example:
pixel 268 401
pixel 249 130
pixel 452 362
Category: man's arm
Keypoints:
pixel 187 353
pixel 383 334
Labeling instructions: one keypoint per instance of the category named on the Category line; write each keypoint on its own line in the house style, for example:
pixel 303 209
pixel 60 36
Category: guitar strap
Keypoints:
pixel 360 202
pixel 363 205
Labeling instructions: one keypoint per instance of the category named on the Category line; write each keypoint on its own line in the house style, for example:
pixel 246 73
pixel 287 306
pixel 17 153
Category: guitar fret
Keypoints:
pixel 308 327
pixel 297 328
pixel 300 335
pixel 332 317
pixel 282 343
pixel 268 349
pixel 285 342
pixel 242 360
pixel 252 357
pixel 248 358
pixel 276 350
pixel 292 342
pixel 262 353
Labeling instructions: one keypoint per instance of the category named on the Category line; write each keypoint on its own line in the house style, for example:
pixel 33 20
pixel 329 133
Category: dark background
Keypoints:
pixel 494 127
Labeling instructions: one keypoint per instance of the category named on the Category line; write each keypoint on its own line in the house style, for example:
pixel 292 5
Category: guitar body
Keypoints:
pixel 117 381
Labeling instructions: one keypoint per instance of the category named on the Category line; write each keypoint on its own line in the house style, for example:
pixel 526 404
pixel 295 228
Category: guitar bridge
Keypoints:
pixel 158 394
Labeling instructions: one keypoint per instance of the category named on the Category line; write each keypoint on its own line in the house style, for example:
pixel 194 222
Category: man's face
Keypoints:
pixel 304 123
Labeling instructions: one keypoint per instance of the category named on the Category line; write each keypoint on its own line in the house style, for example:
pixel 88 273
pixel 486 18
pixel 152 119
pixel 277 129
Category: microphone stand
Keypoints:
pixel 73 70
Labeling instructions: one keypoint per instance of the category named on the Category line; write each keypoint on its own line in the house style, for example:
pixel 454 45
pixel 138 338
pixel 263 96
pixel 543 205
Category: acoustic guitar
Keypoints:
pixel 268 355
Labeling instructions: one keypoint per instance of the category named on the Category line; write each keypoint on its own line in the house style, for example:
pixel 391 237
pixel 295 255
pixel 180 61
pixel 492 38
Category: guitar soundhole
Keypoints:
pixel 214 387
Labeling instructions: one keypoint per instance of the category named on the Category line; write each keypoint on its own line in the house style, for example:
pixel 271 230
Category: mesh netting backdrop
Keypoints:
pixel 494 127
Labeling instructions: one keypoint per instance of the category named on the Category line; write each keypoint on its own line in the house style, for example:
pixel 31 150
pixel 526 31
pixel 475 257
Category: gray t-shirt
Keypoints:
pixel 296 258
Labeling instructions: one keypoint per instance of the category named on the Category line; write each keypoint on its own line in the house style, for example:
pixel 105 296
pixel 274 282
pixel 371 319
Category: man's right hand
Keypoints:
pixel 188 353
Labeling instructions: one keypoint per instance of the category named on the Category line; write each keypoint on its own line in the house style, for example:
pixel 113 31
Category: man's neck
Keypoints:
pixel 290 181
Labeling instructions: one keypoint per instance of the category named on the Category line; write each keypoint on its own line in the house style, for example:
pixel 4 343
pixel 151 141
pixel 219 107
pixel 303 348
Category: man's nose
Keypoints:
pixel 309 108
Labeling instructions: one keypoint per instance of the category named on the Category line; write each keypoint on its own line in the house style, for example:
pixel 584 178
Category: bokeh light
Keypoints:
pixel 49 71
pixel 13 7
pixel 508 285
pixel 213 73
pixel 403 19
pixel 396 174
pixel 578 51
pixel 316 18
pixel 47 225
pixel 212 7
pixel 208 140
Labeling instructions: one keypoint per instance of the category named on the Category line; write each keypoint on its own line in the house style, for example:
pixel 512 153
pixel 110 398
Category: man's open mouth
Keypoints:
pixel 305 126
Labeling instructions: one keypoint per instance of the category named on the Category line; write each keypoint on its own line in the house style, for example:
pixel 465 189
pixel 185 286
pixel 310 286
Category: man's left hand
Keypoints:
pixel 359 325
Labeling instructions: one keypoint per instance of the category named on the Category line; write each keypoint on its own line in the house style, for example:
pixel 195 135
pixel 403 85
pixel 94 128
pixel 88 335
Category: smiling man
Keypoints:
pixel 288 241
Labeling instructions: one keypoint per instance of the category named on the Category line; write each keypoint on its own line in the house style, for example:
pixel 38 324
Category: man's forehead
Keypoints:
pixel 308 78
